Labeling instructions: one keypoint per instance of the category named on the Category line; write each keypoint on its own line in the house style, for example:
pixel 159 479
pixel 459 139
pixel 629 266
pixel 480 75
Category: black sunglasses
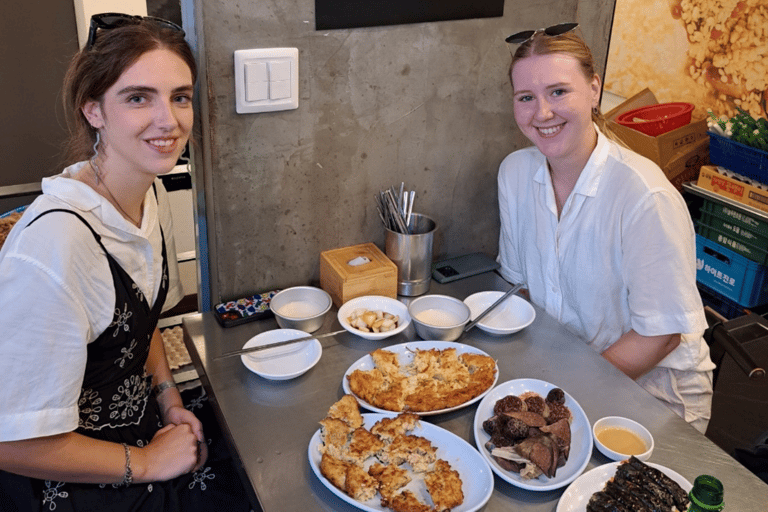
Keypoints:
pixel 110 20
pixel 554 30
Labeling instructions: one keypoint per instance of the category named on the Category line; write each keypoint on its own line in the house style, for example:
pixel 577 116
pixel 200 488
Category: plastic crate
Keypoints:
pixel 730 274
pixel 739 158
pixel 723 233
pixel 723 305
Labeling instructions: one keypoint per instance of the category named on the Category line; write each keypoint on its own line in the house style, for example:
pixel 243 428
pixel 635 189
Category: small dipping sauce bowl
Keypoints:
pixel 618 438
pixel 301 307
pixel 438 317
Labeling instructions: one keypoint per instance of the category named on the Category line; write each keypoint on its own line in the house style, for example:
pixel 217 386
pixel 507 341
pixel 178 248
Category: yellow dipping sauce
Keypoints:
pixel 621 440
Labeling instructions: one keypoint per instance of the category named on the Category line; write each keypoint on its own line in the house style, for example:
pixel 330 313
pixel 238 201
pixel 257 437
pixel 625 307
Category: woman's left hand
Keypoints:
pixel 177 415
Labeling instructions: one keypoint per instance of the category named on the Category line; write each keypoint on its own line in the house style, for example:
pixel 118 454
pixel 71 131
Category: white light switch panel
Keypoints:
pixel 266 80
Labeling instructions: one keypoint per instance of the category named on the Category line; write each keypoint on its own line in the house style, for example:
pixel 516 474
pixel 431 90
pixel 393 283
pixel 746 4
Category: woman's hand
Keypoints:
pixel 172 451
pixel 178 415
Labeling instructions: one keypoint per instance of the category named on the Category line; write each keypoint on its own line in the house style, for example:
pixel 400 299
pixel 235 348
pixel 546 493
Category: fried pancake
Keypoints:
pixel 386 361
pixel 389 428
pixel 415 450
pixel 406 501
pixel 391 479
pixel 434 380
pixel 362 445
pixel 334 470
pixel 335 435
pixel 347 410
pixel 444 486
pixel 359 484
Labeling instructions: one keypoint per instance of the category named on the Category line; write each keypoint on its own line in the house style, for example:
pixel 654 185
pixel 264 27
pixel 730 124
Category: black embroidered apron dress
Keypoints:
pixel 116 404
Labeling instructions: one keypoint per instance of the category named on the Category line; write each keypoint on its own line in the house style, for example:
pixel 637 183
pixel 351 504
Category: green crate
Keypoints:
pixel 756 227
pixel 725 234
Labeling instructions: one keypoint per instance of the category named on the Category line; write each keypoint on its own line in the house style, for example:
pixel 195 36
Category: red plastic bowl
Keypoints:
pixel 656 119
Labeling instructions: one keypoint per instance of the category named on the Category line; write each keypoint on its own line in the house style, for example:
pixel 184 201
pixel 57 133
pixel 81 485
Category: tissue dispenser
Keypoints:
pixel 344 281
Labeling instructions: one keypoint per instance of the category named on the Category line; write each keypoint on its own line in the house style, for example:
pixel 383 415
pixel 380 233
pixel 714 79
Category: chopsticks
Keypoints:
pixel 492 307
pixel 395 208
pixel 276 344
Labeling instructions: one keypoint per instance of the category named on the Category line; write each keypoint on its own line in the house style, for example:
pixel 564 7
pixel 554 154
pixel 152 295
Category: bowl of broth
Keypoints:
pixel 619 438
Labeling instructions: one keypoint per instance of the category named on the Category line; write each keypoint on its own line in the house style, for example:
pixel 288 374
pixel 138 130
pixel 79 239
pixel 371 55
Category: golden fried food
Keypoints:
pixel 434 379
pixel 444 486
pixel 384 460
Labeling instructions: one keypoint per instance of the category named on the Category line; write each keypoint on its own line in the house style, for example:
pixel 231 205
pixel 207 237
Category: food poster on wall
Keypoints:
pixel 712 53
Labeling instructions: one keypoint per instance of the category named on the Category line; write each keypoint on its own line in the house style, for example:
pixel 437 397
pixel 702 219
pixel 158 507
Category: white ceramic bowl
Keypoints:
pixel 282 363
pixel 512 315
pixel 438 317
pixel 301 307
pixel 374 303
pixel 624 423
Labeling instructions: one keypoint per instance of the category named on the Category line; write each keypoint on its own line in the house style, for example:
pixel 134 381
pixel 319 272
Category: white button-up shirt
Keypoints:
pixel 622 255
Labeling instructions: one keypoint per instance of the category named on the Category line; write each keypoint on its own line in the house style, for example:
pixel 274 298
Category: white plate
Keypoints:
pixel 576 496
pixel 374 303
pixel 512 315
pixel 282 363
pixel 404 352
pixel 476 476
pixel 581 436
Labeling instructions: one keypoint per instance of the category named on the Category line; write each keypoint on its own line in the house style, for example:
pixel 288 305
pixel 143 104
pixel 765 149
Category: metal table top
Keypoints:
pixel 269 423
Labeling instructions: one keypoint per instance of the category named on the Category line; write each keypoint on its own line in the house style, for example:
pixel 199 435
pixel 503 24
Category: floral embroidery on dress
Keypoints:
pixel 89 406
pixel 197 403
pixel 51 493
pixel 130 398
pixel 137 291
pixel 127 354
pixel 200 476
pixel 121 320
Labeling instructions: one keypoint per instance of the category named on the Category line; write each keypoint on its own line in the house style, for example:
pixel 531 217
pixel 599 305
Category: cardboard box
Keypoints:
pixel 665 147
pixel 344 281
pixel 685 166
pixel 731 188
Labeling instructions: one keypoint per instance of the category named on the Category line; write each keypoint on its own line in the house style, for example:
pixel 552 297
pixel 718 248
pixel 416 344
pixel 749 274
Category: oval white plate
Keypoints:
pixel 282 363
pixel 581 436
pixel 512 315
pixel 374 303
pixel 576 496
pixel 405 355
pixel 476 476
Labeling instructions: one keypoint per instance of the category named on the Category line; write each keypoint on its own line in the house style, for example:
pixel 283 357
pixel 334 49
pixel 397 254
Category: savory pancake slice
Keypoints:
pixel 424 361
pixel 389 428
pixel 444 486
pixel 362 446
pixel 359 484
pixel 415 450
pixel 366 384
pixel 406 501
pixel 347 410
pixel 475 362
pixel 334 470
pixel 391 396
pixel 391 479
pixel 335 435
pixel 387 362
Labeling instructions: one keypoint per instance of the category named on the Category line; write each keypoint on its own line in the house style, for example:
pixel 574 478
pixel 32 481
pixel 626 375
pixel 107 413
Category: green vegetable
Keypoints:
pixel 743 128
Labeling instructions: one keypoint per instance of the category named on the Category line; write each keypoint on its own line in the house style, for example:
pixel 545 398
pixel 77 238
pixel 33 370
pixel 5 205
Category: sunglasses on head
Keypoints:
pixel 554 30
pixel 110 20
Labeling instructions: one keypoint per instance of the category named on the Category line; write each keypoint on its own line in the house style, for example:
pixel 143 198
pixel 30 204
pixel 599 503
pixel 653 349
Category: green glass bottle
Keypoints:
pixel 706 495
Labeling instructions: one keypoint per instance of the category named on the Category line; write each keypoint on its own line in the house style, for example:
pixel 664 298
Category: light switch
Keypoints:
pixel 266 80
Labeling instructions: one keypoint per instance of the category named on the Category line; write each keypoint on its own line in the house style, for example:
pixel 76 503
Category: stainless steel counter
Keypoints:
pixel 270 423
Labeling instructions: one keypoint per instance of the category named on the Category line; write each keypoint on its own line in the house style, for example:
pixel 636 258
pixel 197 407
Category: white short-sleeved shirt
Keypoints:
pixel 57 295
pixel 622 255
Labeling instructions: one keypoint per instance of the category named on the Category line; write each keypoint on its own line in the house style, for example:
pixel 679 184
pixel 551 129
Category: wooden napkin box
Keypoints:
pixel 344 282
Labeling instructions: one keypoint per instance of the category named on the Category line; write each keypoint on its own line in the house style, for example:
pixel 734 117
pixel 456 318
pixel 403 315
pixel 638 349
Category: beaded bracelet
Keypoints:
pixel 163 386
pixel 128 477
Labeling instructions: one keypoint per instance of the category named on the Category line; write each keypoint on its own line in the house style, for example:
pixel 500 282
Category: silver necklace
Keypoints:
pixel 111 197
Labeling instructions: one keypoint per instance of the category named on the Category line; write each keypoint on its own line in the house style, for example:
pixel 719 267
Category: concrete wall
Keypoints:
pixel 425 104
